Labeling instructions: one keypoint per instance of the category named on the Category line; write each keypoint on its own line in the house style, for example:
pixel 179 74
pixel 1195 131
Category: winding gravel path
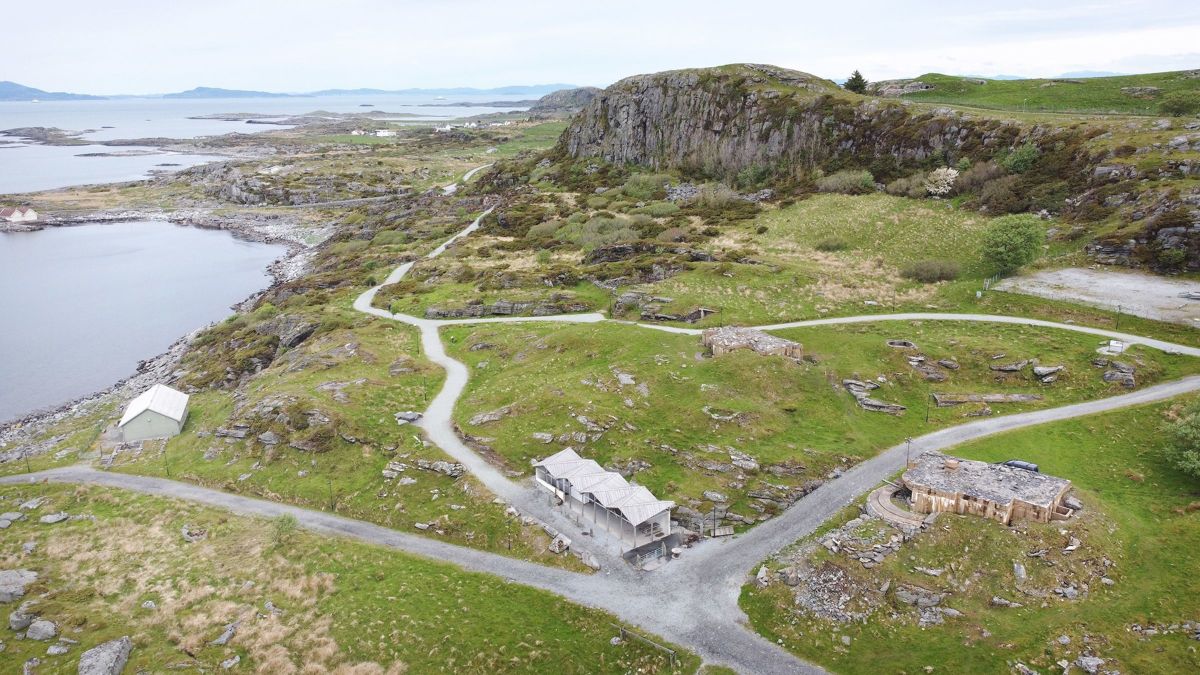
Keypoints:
pixel 692 601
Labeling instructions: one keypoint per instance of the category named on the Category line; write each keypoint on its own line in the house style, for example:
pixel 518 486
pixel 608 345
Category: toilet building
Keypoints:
pixel 158 412
pixel 605 499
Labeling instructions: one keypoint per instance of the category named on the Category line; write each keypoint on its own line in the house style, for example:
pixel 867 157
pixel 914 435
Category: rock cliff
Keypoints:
pixel 721 120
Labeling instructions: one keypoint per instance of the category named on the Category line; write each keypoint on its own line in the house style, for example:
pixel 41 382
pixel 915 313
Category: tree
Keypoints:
pixel 1010 242
pixel 857 83
pixel 940 181
pixel 1183 440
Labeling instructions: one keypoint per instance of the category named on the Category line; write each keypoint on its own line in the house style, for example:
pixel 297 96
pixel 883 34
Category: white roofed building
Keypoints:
pixel 158 412
pixel 604 498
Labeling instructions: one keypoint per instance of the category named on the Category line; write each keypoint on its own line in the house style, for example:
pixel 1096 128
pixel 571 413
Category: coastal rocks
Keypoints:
pixel 897 88
pixel 1010 367
pixel 861 391
pixel 393 469
pixel 53 518
pixel 1090 664
pixel 291 330
pixel 1047 374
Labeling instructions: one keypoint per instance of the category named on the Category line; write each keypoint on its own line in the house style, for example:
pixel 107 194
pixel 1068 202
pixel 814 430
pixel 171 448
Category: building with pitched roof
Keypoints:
pixel 18 214
pixel 629 512
pixel 158 412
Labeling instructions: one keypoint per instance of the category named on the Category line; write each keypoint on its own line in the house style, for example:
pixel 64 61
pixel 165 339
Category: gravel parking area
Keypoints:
pixel 1144 295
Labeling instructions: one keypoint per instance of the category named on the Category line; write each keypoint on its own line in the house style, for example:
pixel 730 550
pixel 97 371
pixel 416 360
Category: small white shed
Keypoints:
pixel 158 412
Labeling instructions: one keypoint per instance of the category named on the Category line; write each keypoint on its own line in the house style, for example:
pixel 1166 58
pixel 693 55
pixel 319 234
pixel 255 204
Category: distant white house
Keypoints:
pixel 357 132
pixel 158 412
pixel 445 129
pixel 385 133
pixel 630 512
pixel 19 214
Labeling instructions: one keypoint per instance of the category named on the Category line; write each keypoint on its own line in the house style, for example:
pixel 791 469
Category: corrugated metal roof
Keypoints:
pixel 161 399
pixel 608 488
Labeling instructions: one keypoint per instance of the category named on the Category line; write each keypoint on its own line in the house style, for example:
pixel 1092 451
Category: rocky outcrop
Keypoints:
pixel 507 308
pixel 564 101
pixel 722 120
pixel 898 88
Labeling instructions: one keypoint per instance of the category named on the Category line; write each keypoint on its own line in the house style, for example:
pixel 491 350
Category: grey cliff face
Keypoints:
pixel 723 120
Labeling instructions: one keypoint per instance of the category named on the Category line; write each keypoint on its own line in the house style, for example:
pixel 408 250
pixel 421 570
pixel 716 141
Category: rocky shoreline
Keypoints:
pixel 16 435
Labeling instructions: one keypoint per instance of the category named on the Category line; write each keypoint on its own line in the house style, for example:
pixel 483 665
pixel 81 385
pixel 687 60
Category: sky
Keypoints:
pixel 132 47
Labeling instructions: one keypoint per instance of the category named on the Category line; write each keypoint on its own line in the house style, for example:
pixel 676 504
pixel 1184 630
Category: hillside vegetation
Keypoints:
pixel 1126 94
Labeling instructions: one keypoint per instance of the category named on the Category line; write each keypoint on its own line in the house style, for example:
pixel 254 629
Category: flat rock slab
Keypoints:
pixel 947 400
pixel 1143 295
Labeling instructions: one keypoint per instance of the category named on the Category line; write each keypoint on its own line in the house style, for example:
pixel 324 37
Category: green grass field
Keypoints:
pixel 344 607
pixel 1139 513
pixel 1087 95
pixel 788 415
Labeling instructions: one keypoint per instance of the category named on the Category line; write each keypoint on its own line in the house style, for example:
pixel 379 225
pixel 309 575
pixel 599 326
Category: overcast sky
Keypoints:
pixel 127 46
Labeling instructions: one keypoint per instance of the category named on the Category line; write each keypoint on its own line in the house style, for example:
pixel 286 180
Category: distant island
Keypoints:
pixel 216 92
pixel 11 91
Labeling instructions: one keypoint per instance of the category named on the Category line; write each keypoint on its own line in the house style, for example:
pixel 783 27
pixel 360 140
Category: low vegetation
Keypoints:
pixel 298 602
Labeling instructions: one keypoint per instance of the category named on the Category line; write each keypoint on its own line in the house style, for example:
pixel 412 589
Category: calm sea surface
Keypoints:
pixel 80 306
pixel 27 167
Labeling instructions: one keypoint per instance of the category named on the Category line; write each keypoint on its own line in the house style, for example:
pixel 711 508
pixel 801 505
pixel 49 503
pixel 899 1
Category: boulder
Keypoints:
pixel 407 417
pixel 12 516
pixel 41 629
pixel 227 634
pixel 268 438
pixel 1090 664
pixel 23 616
pixel 13 583
pixel 714 496
pixel 53 518
pixel 106 659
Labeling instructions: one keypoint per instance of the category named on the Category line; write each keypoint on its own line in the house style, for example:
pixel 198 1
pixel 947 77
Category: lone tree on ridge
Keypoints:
pixel 857 83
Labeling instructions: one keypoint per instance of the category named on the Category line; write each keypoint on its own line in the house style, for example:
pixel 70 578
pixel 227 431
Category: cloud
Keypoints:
pixel 123 46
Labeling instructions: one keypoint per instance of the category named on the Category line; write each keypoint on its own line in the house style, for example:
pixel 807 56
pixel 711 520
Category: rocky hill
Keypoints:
pixel 565 100
pixel 719 121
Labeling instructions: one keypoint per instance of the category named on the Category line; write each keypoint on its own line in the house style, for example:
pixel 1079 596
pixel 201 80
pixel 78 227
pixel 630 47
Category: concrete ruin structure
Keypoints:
pixel 940 483
pixel 631 513
pixel 728 339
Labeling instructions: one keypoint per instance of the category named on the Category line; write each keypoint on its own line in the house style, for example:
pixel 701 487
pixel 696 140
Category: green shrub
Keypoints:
pixel 980 174
pixel 646 186
pixel 1171 259
pixel 597 202
pixel 673 234
pixel 832 244
pixel 847 182
pixel 283 528
pixel 1020 159
pixel 352 246
pixel 620 206
pixel 387 237
pixel 1180 103
pixel 544 230
pixel 1183 446
pixel 1012 241
pixel 599 231
pixel 1001 196
pixel 930 271
pixel 715 195
pixel 658 209
pixel 909 186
